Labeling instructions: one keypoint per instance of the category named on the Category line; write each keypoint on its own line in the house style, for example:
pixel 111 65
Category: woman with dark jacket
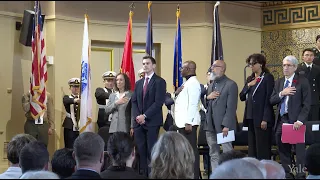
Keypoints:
pixel 258 114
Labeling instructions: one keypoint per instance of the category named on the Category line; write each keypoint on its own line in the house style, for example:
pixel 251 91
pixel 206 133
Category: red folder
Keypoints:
pixel 291 136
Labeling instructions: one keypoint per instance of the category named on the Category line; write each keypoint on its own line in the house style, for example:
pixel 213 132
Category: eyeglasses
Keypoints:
pixel 252 64
pixel 214 65
pixel 287 65
pixel 185 68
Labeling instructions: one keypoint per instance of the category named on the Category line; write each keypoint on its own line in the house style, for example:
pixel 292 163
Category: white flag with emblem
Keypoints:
pixel 85 121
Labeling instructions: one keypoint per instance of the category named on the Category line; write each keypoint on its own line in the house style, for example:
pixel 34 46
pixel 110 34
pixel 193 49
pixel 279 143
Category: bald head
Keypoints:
pixel 221 63
pixel 188 68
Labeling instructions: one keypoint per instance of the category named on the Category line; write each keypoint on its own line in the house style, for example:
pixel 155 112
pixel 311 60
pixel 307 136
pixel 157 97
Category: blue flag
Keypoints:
pixel 149 42
pixel 217 51
pixel 177 78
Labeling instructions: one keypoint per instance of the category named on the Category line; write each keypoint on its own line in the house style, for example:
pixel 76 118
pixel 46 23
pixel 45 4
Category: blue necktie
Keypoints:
pixel 283 103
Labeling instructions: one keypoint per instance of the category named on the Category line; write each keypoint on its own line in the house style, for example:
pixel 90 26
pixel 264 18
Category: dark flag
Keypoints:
pixel 177 63
pixel 217 51
pixel 149 42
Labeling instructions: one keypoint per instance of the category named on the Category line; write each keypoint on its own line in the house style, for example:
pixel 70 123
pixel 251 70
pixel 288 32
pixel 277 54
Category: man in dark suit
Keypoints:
pixel 312 72
pixel 146 114
pixel 292 95
pixel 89 156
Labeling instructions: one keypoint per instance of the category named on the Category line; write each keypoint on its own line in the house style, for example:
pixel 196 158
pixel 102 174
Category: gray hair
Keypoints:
pixel 39 175
pixel 274 169
pixel 88 147
pixel 258 164
pixel 292 59
pixel 172 157
pixel 237 169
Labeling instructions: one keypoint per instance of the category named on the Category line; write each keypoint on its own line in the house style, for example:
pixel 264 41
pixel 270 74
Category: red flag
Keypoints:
pixel 127 63
pixel 39 77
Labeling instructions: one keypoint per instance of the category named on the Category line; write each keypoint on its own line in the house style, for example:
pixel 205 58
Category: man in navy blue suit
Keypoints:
pixel 146 113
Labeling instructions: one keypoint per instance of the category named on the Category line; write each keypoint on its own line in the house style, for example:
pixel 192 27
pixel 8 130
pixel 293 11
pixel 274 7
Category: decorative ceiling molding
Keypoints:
pixel 279 3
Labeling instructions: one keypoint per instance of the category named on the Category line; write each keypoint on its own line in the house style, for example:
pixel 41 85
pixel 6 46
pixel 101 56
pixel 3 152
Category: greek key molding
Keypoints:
pixel 291 17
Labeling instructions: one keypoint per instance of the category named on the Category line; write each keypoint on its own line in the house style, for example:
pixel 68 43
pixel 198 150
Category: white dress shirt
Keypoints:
pixel 145 78
pixel 11 173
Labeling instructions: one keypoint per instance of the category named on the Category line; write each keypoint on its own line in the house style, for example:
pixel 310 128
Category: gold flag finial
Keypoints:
pixel 149 5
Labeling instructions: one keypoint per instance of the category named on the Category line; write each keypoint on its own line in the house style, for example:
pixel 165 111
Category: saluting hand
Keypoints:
pixel 77 100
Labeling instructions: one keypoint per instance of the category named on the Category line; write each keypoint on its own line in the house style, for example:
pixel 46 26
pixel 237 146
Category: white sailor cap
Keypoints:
pixel 74 82
pixel 141 73
pixel 109 75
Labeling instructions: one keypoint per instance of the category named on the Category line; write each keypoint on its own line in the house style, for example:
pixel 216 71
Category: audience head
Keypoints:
pixel 258 164
pixel 122 82
pixel 121 149
pixel 274 170
pixel 148 64
pixel 289 64
pixel 188 68
pixel 313 159
pixel 237 169
pixel 62 163
pixel 39 175
pixel 229 155
pixel 88 151
pixel 218 69
pixel 15 146
pixel 257 62
pixel 172 157
pixel 34 156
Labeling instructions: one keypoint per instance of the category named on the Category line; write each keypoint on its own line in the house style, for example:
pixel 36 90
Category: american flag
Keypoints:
pixel 38 99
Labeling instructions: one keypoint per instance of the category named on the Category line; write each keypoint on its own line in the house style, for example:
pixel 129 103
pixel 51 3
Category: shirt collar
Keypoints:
pixel 290 78
pixel 150 76
pixel 308 65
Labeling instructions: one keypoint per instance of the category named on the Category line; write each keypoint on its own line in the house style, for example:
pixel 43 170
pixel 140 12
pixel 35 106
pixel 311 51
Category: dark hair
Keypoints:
pixel 258 58
pixel 229 155
pixel 308 49
pixel 318 37
pixel 127 84
pixel 63 163
pixel 88 147
pixel 120 147
pixel 151 58
pixel 15 146
pixel 313 159
pixel 33 156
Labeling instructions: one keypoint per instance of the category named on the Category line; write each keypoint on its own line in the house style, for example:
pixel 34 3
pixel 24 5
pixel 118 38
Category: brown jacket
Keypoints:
pixel 48 115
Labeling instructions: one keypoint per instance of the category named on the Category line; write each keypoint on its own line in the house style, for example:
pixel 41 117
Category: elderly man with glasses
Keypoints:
pixel 292 95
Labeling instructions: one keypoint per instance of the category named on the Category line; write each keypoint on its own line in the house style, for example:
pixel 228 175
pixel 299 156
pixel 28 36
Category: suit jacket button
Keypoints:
pixel 314 90
pixel 313 84
pixel 314 79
